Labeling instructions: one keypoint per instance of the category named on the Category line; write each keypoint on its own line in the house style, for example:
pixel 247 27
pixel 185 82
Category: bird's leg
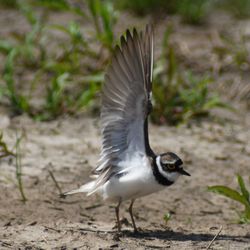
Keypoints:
pixel 131 215
pixel 117 216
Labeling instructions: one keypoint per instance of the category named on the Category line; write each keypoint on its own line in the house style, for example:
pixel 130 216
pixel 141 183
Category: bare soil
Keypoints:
pixel 213 153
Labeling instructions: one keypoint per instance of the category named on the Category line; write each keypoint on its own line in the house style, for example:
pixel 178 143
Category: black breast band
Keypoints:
pixel 158 176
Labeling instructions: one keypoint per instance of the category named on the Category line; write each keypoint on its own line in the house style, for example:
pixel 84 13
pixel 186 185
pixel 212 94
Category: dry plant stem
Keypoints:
pixel 212 241
pixel 19 169
pixel 55 181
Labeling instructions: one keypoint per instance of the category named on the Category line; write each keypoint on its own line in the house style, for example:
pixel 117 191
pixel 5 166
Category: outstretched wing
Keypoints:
pixel 126 102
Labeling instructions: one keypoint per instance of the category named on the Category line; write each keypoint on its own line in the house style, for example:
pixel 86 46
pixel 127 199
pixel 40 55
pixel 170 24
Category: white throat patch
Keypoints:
pixel 171 176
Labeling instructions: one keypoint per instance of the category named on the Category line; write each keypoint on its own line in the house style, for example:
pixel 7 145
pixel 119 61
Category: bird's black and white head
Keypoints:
pixel 168 167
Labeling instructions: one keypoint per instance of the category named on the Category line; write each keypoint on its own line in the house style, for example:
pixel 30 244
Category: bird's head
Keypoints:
pixel 170 166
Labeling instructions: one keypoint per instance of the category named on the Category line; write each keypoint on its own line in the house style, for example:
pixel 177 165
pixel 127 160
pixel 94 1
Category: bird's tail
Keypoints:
pixel 87 188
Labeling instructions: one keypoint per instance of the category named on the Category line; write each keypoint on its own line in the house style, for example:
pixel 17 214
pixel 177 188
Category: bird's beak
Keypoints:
pixel 183 172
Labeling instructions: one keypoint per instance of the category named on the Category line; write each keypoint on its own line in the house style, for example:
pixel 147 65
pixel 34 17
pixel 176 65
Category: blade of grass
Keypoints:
pixel 19 168
pixel 4 150
pixel 228 192
pixel 243 189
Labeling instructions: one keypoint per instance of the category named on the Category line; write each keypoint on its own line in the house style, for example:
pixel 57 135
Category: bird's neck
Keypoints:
pixel 160 178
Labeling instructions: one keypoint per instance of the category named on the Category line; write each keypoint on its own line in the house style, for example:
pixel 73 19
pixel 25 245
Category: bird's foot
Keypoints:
pixel 117 235
pixel 137 230
pixel 123 221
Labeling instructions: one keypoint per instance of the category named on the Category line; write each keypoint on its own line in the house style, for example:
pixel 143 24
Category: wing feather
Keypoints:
pixel 125 104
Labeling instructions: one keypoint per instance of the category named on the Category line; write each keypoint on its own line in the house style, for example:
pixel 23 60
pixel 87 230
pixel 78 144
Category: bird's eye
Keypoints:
pixel 171 166
pixel 168 166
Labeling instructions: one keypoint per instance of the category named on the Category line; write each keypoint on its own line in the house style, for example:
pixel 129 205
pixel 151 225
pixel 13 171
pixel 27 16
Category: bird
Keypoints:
pixel 128 168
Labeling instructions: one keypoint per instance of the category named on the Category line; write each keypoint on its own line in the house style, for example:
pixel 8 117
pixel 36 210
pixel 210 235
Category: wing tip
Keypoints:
pixel 131 34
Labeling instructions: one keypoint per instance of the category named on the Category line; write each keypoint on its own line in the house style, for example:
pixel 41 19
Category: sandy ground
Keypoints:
pixel 213 152
pixel 69 147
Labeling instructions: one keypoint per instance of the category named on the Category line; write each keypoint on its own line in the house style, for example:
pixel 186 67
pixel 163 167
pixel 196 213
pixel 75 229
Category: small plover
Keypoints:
pixel 128 168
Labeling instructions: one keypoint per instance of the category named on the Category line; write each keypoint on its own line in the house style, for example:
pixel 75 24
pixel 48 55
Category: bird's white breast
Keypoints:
pixel 138 180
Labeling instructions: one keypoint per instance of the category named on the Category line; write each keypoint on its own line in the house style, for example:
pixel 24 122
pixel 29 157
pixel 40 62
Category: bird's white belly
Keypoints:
pixel 131 186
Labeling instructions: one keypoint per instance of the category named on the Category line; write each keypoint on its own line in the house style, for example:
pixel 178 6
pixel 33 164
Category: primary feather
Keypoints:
pixel 125 102
pixel 125 107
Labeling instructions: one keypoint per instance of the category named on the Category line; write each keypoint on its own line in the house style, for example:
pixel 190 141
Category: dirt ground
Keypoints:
pixel 69 147
pixel 213 152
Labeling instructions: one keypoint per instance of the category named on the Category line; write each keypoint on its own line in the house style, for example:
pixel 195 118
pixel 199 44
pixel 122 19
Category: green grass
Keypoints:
pixel 4 149
pixel 179 94
pixel 167 217
pixel 143 7
pixel 21 53
pixel 66 79
pixel 18 102
pixel 8 3
pixel 18 166
pixel 239 8
pixel 104 17
pixel 237 50
pixel 72 78
pixel 191 11
pixel 242 197
pixel 6 152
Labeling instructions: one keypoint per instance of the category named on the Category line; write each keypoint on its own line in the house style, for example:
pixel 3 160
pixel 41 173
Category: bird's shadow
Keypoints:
pixel 170 235
pixel 181 236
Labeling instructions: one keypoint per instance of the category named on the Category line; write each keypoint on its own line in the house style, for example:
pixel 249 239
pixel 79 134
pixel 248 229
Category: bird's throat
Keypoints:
pixel 158 176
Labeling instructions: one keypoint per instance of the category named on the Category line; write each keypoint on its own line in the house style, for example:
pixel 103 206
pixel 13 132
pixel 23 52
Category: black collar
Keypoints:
pixel 158 176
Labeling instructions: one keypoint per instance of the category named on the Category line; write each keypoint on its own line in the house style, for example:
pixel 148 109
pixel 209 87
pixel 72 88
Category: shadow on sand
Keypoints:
pixel 180 236
pixel 170 235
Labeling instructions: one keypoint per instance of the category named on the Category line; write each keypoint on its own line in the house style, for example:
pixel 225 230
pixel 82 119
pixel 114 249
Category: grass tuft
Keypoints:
pixel 67 79
pixel 5 152
pixel 179 94
pixel 242 196
pixel 191 11
pixel 71 74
